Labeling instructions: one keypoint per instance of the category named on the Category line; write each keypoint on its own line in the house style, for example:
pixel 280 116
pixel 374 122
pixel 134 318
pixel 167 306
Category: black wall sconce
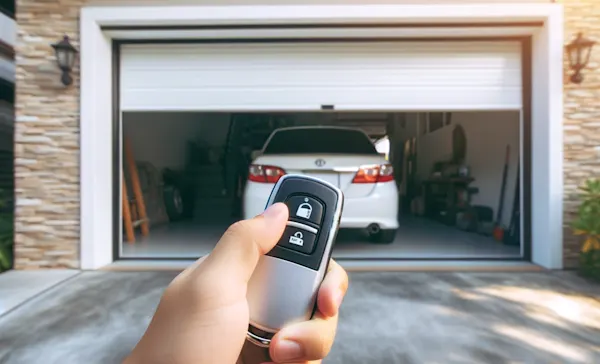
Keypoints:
pixel 578 53
pixel 65 58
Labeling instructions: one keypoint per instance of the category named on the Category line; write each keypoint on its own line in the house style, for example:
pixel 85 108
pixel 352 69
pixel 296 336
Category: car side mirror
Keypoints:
pixel 255 154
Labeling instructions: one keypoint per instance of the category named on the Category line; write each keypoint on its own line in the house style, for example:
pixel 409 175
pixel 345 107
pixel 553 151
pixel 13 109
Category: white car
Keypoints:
pixel 345 157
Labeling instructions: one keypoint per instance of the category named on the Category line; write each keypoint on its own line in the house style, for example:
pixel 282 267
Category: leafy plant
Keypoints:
pixel 6 234
pixel 6 242
pixel 587 224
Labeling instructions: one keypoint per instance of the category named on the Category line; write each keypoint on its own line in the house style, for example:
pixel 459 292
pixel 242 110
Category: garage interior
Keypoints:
pixel 449 115
pixel 446 211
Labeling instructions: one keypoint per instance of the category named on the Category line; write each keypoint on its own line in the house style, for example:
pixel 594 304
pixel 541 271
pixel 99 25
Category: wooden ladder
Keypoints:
pixel 134 210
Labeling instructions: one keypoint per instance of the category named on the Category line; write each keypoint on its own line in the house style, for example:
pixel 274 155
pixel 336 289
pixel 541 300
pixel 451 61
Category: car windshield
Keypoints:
pixel 320 141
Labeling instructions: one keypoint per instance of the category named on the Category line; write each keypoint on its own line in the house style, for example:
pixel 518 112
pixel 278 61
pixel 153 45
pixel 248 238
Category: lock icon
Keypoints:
pixel 304 210
pixel 296 239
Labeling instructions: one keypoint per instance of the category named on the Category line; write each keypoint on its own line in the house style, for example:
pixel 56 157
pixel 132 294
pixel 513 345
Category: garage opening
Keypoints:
pixel 424 137
pixel 429 185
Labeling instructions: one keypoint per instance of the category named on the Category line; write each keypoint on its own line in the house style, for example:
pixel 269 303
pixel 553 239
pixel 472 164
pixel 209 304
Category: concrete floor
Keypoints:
pixel 416 239
pixel 97 317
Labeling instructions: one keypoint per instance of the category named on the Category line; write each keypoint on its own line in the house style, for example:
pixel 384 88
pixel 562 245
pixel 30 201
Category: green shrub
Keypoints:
pixel 587 224
pixel 6 235
pixel 6 241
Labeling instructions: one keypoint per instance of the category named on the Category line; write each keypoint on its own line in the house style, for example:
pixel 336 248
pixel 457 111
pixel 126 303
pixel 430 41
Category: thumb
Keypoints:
pixel 239 249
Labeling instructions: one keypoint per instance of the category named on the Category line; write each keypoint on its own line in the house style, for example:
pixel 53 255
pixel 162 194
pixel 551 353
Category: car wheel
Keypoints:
pixel 384 236
pixel 174 203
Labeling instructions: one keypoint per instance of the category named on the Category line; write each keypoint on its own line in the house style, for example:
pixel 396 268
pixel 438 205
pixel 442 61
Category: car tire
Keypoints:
pixel 174 203
pixel 384 236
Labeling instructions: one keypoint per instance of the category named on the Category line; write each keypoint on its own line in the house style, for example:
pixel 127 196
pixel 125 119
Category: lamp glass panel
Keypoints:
pixel 62 58
pixel 575 56
pixel 70 58
pixel 586 53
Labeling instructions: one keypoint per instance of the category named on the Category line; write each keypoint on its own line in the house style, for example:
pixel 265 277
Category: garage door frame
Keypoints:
pixel 524 123
pixel 100 27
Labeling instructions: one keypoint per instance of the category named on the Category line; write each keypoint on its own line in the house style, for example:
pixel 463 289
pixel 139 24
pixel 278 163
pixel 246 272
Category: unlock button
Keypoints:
pixel 298 239
pixel 305 208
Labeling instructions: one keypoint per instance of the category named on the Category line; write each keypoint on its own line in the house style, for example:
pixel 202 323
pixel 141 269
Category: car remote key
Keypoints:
pixel 284 285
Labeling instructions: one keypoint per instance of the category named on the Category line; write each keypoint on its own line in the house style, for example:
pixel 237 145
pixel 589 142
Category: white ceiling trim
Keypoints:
pixel 7 69
pixel 315 14
pixel 8 30
pixel 320 33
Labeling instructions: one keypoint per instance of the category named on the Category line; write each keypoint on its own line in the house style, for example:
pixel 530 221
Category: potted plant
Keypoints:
pixel 6 236
pixel 587 225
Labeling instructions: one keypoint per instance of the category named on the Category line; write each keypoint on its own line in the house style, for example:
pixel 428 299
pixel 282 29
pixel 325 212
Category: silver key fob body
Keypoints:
pixel 285 283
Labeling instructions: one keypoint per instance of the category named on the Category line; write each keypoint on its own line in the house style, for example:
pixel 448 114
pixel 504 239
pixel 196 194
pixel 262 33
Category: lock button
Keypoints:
pixel 299 239
pixel 304 208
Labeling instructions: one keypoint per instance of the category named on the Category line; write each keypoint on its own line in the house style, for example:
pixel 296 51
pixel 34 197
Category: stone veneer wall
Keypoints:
pixel 581 117
pixel 46 138
pixel 47 133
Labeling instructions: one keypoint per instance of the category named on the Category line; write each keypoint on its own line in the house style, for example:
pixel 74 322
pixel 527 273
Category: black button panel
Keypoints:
pixel 304 208
pixel 317 227
pixel 299 238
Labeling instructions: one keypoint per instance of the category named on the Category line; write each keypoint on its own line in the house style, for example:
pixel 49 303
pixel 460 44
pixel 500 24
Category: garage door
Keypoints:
pixel 302 76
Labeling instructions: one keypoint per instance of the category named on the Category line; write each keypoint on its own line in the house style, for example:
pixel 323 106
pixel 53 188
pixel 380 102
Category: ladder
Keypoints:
pixel 134 210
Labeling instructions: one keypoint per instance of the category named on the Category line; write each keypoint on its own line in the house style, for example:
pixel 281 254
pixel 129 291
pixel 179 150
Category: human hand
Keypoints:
pixel 203 315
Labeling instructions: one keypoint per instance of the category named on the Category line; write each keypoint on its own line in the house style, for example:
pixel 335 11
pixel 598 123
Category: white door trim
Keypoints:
pixel 97 101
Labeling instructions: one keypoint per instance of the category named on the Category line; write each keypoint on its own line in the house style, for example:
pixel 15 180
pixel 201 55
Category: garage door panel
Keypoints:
pixel 304 76
pixel 312 99
pixel 191 79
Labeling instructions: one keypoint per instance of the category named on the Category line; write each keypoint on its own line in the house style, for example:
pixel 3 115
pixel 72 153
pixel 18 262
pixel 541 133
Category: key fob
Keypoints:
pixel 285 283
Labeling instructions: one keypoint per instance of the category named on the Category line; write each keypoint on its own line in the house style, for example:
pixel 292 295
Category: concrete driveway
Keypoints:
pixel 97 317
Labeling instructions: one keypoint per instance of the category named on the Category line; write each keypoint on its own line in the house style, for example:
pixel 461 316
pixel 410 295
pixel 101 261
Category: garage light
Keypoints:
pixel 65 58
pixel 578 53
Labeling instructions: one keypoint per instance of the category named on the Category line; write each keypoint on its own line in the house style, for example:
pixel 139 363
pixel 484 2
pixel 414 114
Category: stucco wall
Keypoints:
pixel 47 127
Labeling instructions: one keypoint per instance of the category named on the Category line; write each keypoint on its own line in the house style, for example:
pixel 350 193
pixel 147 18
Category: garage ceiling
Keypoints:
pixel 303 76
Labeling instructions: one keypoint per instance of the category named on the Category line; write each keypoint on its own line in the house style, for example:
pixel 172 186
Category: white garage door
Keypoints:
pixel 458 75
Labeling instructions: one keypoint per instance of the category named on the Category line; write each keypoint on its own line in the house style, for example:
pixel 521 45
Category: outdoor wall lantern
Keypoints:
pixel 65 57
pixel 578 52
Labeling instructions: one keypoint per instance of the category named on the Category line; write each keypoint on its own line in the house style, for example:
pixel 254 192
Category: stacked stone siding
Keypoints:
pixel 581 117
pixel 46 139
pixel 47 132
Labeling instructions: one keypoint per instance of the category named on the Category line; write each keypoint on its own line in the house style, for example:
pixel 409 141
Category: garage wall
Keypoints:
pixel 370 123
pixel 161 137
pixel 487 135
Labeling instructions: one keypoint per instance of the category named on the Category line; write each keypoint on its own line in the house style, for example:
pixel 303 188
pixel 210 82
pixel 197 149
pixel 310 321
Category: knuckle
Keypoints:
pixel 322 346
pixel 239 229
pixel 319 346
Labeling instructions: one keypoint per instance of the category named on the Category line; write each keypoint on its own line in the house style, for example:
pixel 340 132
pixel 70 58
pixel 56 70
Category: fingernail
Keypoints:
pixel 274 211
pixel 288 350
